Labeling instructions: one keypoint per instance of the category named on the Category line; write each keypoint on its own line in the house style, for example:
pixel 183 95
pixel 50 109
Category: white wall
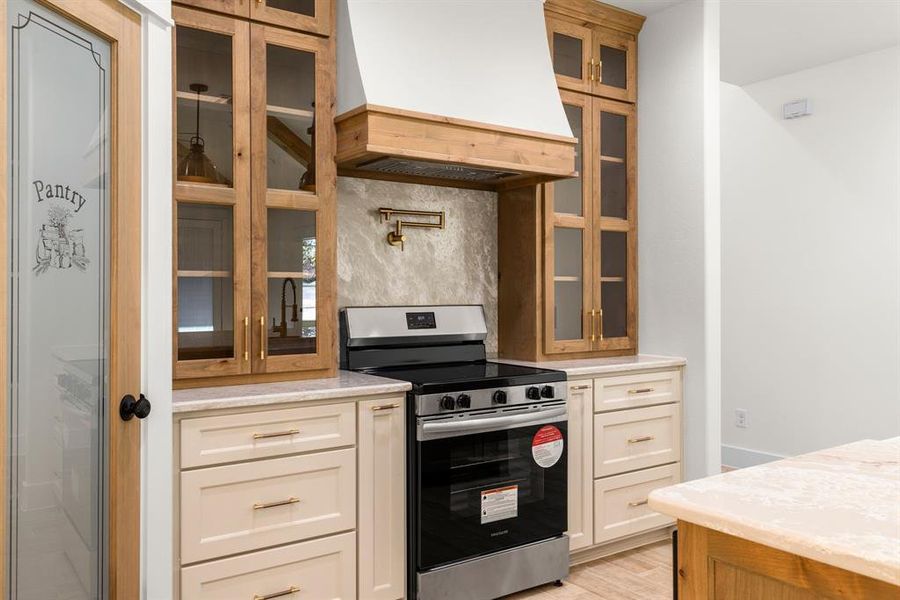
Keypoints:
pixel 812 258
pixel 678 247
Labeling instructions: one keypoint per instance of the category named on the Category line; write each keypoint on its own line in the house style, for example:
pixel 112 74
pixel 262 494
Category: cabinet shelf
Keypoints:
pixel 612 279
pixel 285 111
pixel 567 278
pixel 224 102
pixel 612 159
pixel 197 274
pixel 290 275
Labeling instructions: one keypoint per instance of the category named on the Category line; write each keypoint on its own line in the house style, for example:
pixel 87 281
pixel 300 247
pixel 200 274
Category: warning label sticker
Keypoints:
pixel 500 503
pixel 547 446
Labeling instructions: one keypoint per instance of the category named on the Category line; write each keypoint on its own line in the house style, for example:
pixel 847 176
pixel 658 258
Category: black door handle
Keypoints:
pixel 129 407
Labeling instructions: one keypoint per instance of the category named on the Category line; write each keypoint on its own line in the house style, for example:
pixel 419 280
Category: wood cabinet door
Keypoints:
pixel 293 201
pixel 238 8
pixel 212 195
pixel 581 465
pixel 382 499
pixel 615 57
pixel 314 16
pixel 570 53
pixel 614 154
pixel 568 244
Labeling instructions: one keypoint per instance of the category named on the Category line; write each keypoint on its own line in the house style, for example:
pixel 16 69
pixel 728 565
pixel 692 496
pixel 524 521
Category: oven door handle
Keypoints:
pixel 443 429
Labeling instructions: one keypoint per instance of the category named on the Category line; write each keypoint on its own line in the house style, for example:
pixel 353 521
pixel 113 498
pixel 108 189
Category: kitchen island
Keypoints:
pixel 820 525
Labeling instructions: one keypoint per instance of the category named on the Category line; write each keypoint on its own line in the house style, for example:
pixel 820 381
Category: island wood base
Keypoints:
pixel 716 566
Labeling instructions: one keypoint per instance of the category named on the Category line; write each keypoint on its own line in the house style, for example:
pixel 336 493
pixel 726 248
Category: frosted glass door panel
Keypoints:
pixel 568 193
pixel 613 283
pixel 301 7
pixel 567 53
pixel 59 86
pixel 568 283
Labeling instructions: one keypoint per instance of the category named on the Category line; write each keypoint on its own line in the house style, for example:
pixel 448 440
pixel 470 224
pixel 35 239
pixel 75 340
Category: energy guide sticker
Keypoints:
pixel 500 503
pixel 547 446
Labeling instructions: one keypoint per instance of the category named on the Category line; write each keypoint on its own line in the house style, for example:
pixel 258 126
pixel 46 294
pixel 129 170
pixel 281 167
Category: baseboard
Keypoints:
pixel 734 457
pixel 616 546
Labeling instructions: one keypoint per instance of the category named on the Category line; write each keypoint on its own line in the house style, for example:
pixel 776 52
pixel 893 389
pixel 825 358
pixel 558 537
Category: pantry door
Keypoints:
pixel 70 288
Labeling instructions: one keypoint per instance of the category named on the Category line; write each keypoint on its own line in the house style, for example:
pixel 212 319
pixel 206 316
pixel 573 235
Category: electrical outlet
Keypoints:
pixel 741 418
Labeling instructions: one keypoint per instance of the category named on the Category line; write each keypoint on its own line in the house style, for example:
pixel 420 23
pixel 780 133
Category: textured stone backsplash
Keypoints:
pixel 454 265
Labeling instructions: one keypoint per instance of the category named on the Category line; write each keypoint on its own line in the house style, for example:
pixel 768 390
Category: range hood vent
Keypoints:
pixel 421 168
pixel 449 93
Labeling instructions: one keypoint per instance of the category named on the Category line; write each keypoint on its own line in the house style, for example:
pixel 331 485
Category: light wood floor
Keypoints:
pixel 641 574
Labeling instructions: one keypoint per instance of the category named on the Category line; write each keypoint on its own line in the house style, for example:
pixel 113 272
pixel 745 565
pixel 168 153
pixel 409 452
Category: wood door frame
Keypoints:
pixel 114 21
pixel 558 23
pixel 237 196
pixel 319 23
pixel 628 226
pixel 621 41
pixel 322 202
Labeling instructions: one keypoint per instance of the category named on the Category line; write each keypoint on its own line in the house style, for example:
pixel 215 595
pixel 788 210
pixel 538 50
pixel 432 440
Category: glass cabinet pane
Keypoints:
pixel 613 165
pixel 204 115
pixel 568 285
pixel 567 53
pixel 205 281
pixel 614 283
pixel 291 310
pixel 290 118
pixel 613 67
pixel 301 7
pixel 568 193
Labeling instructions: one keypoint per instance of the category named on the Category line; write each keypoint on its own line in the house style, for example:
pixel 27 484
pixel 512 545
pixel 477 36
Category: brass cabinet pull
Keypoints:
pixel 593 329
pixel 581 387
pixel 599 65
pixel 641 391
pixel 261 505
pixel 638 503
pixel 591 63
pixel 291 590
pixel 385 407
pixel 262 436
pixel 601 323
pixel 637 440
pixel 246 338
pixel 262 338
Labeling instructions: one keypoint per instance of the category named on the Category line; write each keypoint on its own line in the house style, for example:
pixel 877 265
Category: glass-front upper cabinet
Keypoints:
pixel 615 55
pixel 212 187
pixel 570 50
pixel 615 285
pixel 313 16
pixel 568 243
pixel 293 195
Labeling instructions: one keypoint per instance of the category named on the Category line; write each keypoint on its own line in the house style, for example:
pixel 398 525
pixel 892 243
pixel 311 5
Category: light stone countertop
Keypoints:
pixel 839 506
pixel 347 384
pixel 604 366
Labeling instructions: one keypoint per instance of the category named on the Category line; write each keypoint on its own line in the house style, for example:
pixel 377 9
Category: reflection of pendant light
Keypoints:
pixel 195 166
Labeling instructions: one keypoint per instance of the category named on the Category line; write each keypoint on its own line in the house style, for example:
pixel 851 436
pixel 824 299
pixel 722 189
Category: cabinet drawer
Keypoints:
pixel 620 502
pixel 324 568
pixel 245 436
pixel 627 440
pixel 236 508
pixel 631 391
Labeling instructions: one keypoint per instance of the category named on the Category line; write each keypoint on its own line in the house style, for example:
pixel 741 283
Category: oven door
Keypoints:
pixel 489 481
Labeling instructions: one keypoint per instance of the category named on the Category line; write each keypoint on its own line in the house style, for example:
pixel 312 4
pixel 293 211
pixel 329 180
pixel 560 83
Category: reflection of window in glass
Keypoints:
pixel 308 287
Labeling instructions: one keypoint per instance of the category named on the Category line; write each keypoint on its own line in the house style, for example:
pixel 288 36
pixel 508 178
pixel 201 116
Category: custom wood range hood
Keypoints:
pixel 449 93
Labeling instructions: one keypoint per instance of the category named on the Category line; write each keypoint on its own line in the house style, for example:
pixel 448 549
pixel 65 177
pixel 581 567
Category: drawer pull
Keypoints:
pixel 274 434
pixel 581 387
pixel 638 503
pixel 641 391
pixel 385 407
pixel 261 505
pixel 638 440
pixel 291 590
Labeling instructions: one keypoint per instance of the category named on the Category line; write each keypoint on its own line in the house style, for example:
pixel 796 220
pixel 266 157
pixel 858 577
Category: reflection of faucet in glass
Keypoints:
pixel 282 328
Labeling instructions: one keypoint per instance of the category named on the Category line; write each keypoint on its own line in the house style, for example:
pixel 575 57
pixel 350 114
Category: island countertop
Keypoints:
pixel 839 506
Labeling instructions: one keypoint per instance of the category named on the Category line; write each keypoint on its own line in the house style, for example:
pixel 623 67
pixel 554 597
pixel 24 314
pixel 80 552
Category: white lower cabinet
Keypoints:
pixel 305 502
pixel 624 442
pixel 620 502
pixel 318 569
pixel 580 460
pixel 382 499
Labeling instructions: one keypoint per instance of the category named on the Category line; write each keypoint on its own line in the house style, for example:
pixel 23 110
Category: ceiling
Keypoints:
pixel 643 7
pixel 761 39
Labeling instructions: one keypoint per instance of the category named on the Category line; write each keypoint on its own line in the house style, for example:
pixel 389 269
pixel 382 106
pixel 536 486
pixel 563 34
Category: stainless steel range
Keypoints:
pixel 486 453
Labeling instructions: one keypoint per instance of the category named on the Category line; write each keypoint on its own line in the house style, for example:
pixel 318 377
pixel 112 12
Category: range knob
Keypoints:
pixel 499 397
pixel 533 393
pixel 447 403
pixel 547 391
pixel 463 401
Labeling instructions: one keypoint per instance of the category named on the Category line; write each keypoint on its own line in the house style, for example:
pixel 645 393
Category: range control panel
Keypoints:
pixel 435 404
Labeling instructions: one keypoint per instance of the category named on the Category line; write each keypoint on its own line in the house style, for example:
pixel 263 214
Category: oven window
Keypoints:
pixel 485 492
